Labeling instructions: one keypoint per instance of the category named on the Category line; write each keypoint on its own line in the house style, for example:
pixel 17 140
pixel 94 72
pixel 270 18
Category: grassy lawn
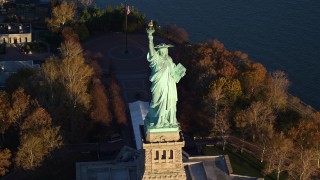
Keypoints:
pixel 242 163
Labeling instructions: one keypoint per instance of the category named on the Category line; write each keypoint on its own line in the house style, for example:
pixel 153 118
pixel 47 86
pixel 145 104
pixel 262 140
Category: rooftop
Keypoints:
pixel 14 28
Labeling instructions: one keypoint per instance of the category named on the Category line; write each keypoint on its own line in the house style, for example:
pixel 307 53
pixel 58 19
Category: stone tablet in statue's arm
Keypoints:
pixel 179 72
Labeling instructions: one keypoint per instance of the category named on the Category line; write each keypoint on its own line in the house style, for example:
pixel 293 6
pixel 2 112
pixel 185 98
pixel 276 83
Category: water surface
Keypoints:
pixel 281 34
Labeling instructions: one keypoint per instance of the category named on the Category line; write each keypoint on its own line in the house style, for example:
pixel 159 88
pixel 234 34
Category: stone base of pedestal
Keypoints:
pixel 162 137
pixel 161 156
pixel 165 134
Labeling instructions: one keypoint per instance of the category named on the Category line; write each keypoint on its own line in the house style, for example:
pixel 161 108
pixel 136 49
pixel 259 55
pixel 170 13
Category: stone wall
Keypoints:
pixel 15 38
pixel 163 160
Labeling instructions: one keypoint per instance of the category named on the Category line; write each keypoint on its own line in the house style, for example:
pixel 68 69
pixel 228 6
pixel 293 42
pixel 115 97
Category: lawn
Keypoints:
pixel 242 163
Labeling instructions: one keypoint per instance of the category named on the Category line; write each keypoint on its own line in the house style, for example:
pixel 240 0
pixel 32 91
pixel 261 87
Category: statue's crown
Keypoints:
pixel 163 45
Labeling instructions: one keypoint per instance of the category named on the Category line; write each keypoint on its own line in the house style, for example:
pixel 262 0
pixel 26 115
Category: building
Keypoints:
pixel 15 33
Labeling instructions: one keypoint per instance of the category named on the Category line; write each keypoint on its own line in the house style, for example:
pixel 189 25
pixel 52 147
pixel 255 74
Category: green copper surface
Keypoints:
pixel 164 76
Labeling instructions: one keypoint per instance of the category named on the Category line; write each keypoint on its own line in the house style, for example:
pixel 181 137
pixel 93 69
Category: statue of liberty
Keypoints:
pixel 164 76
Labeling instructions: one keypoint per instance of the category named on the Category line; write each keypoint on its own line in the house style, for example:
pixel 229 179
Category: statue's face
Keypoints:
pixel 163 51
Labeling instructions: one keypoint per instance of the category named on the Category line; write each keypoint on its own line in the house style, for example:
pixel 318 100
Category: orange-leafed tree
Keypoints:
pixel 176 33
pixel 38 137
pixel 118 106
pixel 100 111
pixel 4 108
pixel 5 162
pixel 253 77
pixel 20 106
pixel 278 89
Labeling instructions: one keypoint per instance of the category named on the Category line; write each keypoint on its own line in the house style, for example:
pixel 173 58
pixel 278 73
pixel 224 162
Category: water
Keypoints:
pixel 281 34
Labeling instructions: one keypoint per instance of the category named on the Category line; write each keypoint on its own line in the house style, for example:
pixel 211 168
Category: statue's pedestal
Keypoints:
pixel 162 159
pixel 163 134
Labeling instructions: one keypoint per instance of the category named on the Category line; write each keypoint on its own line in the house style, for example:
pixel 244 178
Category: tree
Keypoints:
pixel 226 68
pixel 118 106
pixel 38 119
pixel 5 156
pixel 30 153
pixel 232 90
pixel 71 48
pixel 306 137
pixel 242 125
pixel 176 33
pixel 303 165
pixel 20 105
pixel 100 109
pixel 278 90
pixel 259 117
pixel 76 75
pixel 252 78
pixel 223 93
pixel 4 108
pixel 256 119
pixel 50 71
pixel 278 155
pixel 37 139
pixel 216 97
pixel 61 15
pixel 264 137
pixel 86 2
pixel 223 125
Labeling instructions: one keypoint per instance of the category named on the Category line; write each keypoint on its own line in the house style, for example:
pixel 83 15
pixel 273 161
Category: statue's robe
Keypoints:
pixel 163 77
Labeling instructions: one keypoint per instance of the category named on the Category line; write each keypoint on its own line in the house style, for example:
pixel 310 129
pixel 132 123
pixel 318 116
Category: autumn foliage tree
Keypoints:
pixel 278 89
pixel 222 128
pixel 118 106
pixel 100 109
pixel 241 123
pixel 38 137
pixel 176 33
pixel 253 78
pixel 278 154
pixel 20 106
pixel 75 72
pixel 76 75
pixel 61 15
pixel 5 162
pixel 303 164
pixel 4 108
pixel 306 152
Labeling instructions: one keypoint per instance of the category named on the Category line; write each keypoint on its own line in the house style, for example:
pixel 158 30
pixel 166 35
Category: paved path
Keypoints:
pixel 132 69
pixel 234 141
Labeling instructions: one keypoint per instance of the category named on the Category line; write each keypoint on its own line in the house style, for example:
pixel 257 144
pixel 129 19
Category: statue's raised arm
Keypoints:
pixel 150 31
